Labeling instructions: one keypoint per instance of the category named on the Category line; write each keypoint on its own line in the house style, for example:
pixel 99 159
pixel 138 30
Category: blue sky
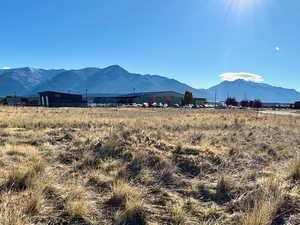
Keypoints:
pixel 193 41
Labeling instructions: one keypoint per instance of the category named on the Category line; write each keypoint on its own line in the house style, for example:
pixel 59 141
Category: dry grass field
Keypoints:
pixel 72 166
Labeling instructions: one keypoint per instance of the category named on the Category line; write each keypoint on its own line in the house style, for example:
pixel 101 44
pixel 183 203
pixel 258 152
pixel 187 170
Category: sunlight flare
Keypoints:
pixel 240 7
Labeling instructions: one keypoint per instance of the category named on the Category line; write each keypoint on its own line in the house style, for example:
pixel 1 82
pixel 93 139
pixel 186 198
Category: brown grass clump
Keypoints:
pixel 20 179
pixel 101 182
pixel 77 208
pixel 34 203
pixel 178 214
pixel 121 193
pixel 127 198
pixel 77 204
pixel 266 205
pixel 294 170
pixel 23 150
pixel 223 189
pixel 133 214
pixel 113 147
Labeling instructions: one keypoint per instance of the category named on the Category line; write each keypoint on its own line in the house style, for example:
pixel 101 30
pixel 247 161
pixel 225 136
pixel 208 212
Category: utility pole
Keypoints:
pixel 86 97
pixel 215 97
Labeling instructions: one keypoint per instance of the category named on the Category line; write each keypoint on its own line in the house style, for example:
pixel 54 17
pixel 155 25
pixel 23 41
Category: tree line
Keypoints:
pixel 188 99
pixel 244 103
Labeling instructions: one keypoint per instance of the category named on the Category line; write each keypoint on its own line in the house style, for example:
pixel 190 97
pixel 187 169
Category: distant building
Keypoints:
pixel 297 105
pixel 165 97
pixel 200 101
pixel 16 101
pixel 276 105
pixel 22 101
pixel 57 99
pixel 118 99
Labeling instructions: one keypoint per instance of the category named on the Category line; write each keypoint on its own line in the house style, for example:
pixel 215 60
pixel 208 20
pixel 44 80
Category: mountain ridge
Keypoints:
pixel 241 89
pixel 116 79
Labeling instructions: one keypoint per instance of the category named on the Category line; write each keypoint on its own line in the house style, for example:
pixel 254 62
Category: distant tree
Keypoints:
pixel 188 98
pixel 168 99
pixel 251 104
pixel 231 102
pixel 297 105
pixel 3 101
pixel 257 104
pixel 153 98
pixel 244 103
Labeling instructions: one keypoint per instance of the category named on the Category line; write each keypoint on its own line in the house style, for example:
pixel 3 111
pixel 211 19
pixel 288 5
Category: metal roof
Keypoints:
pixel 54 92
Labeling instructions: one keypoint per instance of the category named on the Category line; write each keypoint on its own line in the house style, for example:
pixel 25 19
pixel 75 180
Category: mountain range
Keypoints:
pixel 115 79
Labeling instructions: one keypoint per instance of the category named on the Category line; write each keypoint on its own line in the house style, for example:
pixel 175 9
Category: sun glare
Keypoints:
pixel 241 7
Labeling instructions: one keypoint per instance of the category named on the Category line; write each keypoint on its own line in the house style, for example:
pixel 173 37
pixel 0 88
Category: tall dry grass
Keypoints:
pixel 147 166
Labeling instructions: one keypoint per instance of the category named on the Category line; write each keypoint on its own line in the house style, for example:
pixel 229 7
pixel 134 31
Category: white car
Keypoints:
pixel 188 106
pixel 134 105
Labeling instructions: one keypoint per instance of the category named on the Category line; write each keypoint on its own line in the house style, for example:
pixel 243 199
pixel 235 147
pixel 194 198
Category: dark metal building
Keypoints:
pixel 23 101
pixel 57 99
pixel 165 97
pixel 15 101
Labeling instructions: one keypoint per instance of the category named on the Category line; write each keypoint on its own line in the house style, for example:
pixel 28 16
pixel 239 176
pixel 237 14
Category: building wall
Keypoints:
pixel 14 101
pixel 200 101
pixel 115 100
pixel 55 99
pixel 23 101
pixel 169 98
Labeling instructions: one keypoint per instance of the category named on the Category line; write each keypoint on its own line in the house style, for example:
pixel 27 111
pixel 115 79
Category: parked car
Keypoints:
pixel 134 105
pixel 188 106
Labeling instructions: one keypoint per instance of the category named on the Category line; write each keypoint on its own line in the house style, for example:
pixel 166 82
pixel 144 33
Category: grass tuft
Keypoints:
pixel 223 189
pixel 20 179
pixel 294 170
pixel 34 203
pixel 133 214
pixel 178 214
pixel 265 206
pixel 121 193
pixel 77 208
